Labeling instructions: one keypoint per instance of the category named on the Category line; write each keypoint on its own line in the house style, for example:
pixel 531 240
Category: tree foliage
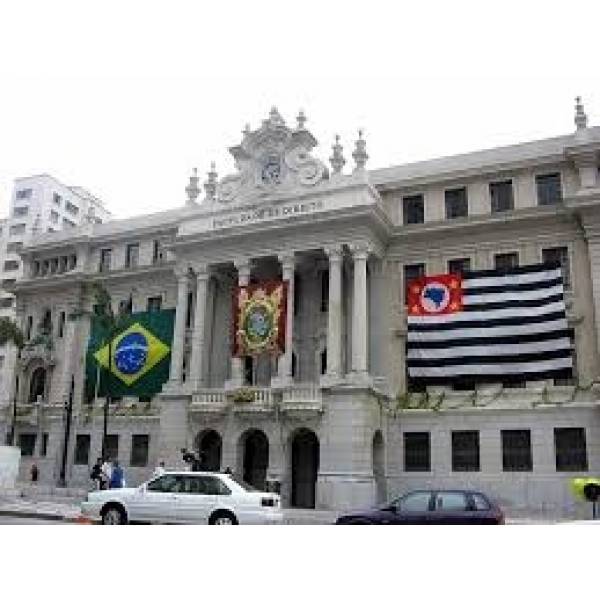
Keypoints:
pixel 10 332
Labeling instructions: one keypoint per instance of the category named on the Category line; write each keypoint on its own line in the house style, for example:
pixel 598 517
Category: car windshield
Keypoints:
pixel 243 484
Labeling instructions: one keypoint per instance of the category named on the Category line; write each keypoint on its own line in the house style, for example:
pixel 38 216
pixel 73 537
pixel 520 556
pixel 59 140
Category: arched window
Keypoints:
pixel 37 385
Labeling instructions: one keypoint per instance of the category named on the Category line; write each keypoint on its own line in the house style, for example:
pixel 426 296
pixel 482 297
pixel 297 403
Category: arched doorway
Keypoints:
pixel 209 445
pixel 379 468
pixel 305 466
pixel 255 446
pixel 37 384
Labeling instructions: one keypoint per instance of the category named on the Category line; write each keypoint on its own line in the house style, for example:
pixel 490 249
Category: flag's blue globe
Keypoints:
pixel 131 353
pixel 435 297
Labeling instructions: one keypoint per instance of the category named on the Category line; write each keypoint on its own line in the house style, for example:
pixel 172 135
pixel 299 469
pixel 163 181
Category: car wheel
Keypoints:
pixel 222 518
pixel 113 515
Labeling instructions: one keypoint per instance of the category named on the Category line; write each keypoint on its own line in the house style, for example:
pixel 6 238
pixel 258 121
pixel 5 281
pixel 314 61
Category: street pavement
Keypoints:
pixel 12 520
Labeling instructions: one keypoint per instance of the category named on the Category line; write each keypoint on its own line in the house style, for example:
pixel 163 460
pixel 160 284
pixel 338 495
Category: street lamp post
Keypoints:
pixel 107 398
pixel 69 410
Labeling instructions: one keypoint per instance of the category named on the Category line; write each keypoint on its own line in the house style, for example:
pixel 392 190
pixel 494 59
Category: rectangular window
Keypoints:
pixel 17 229
pixel 8 282
pixel 559 255
pixel 27 443
pixel 154 304
pixel 413 209
pixel 465 450
pixel 459 265
pixel 189 309
pixel 21 211
pixel 549 189
pixel 417 451
pixel 61 323
pixel 14 246
pixel 105 259
pixel 44 448
pixel 412 272
pixel 157 252
pixel 29 327
pixel 456 203
pixel 112 446
pixel 506 261
pixel 324 291
pixel 11 265
pixel 57 199
pixel 126 306
pixel 71 208
pixel 516 450
pixel 132 256
pixel 82 449
pixel 24 194
pixel 296 293
pixel 53 216
pixel 570 449
pixel 501 194
pixel 139 450
pixel 6 302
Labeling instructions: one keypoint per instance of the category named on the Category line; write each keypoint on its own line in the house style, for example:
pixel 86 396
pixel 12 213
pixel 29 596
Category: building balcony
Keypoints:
pixel 295 399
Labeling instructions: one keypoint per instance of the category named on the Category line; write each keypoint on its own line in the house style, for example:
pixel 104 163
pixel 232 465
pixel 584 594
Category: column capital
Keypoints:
pixel 181 270
pixel 243 266
pixel 287 259
pixel 202 270
pixel 334 253
pixel 361 250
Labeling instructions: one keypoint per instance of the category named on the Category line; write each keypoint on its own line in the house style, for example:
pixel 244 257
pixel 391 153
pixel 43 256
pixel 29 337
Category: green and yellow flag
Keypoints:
pixel 140 356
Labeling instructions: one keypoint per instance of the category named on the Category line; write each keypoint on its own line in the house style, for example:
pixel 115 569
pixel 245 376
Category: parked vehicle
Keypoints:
pixel 185 497
pixel 431 507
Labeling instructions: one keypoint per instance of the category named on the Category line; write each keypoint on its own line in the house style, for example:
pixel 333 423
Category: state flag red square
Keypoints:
pixel 435 295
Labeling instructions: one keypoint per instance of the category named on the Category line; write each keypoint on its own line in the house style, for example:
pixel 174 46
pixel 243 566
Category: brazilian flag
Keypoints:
pixel 140 355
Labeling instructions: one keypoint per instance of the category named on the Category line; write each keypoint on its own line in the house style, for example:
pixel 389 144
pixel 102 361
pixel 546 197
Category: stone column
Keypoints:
pixel 237 367
pixel 181 272
pixel 198 351
pixel 360 254
pixel 334 314
pixel 285 361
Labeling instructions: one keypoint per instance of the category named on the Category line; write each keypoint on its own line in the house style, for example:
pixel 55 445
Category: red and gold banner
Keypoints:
pixel 259 316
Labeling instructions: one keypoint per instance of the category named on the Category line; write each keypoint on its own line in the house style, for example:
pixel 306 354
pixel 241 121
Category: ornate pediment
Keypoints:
pixel 270 160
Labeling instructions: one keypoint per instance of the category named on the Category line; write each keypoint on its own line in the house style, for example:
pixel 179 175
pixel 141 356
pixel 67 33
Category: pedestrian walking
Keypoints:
pixel 117 478
pixel 35 473
pixel 106 474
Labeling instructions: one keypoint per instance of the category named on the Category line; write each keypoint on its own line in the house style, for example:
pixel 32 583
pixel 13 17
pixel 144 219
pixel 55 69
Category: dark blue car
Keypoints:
pixel 431 507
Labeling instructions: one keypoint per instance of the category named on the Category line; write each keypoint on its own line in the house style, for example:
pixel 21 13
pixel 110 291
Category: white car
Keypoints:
pixel 185 497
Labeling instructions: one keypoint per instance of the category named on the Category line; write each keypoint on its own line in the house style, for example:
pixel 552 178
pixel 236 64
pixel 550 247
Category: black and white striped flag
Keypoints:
pixel 487 326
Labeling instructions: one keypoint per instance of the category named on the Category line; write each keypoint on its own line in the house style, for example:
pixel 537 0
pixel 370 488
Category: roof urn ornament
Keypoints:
pixel 337 159
pixel 192 190
pixel 360 155
pixel 580 116
pixel 301 120
pixel 210 186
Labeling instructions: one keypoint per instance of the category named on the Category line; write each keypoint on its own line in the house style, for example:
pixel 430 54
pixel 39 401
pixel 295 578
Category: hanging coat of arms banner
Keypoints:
pixel 259 315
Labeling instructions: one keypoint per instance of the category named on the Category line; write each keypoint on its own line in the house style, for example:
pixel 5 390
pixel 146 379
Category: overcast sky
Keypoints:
pixel 124 98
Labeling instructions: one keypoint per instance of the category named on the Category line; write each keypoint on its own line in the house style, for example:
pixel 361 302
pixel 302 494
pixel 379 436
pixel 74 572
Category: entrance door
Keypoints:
pixel 305 466
pixel 256 459
pixel 209 446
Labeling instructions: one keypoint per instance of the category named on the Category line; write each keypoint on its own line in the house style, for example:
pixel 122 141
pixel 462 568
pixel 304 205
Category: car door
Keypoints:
pixel 413 508
pixel 451 508
pixel 155 501
pixel 196 500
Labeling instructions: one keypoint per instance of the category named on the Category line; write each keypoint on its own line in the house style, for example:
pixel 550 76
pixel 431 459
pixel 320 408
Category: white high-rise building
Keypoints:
pixel 39 204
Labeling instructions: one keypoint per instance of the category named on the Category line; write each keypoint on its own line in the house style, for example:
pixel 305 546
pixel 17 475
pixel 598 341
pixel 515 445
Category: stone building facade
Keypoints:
pixel 333 419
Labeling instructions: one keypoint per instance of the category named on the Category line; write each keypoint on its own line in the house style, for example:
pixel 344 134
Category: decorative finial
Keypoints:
pixel 275 117
pixel 301 119
pixel 337 159
pixel 580 116
pixel 210 186
pixel 192 190
pixel 246 130
pixel 360 155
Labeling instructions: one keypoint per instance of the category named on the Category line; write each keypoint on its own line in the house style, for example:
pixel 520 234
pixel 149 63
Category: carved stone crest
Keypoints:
pixel 272 159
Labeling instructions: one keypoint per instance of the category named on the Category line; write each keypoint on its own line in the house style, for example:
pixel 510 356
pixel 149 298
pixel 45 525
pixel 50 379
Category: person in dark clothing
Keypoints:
pixel 96 474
